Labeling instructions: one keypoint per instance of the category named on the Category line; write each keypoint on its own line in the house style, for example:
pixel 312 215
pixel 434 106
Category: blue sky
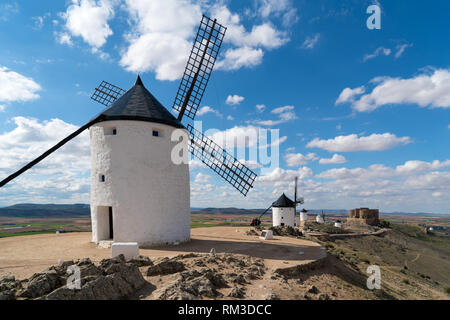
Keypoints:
pixel 363 115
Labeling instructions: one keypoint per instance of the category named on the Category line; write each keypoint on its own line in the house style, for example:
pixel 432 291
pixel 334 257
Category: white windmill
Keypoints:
pixel 284 210
pixel 137 193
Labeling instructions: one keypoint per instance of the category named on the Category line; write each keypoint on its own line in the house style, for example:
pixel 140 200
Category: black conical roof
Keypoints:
pixel 283 202
pixel 139 104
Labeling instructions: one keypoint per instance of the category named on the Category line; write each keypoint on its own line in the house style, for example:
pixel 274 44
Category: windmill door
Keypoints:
pixel 111 228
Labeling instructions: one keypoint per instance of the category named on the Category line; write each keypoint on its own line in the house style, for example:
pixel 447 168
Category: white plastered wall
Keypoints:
pixel 149 194
pixel 283 215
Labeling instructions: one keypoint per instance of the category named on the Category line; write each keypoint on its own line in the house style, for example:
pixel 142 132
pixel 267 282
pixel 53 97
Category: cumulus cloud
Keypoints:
pixel 311 42
pixel 160 36
pixel 298 159
pixel 349 94
pixel 247 46
pixel 16 87
pixel 285 114
pixel 202 178
pixel 352 143
pixel 236 58
pixel 426 90
pixel 63 176
pixel 335 159
pixel 207 109
pixel 379 51
pixel 88 19
pixel 234 100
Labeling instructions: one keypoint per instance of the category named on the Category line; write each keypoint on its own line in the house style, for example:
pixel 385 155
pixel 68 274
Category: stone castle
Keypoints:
pixel 365 216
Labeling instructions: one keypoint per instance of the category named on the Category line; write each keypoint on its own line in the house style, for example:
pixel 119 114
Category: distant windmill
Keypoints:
pixel 137 193
pixel 283 210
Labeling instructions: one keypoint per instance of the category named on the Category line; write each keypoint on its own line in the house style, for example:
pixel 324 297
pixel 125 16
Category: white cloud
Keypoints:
pixel 352 143
pixel 2 107
pixel 247 46
pixel 281 110
pixel 202 178
pixel 260 107
pixel 281 175
pixel 311 42
pixel 401 49
pixel 16 87
pixel 236 58
pixel 415 166
pixel 88 19
pixel 298 159
pixel 335 159
pixel 160 36
pixel 230 118
pixel 426 90
pixel 234 100
pixel 379 51
pixel 285 114
pixel 63 38
pixel 62 176
pixel 207 109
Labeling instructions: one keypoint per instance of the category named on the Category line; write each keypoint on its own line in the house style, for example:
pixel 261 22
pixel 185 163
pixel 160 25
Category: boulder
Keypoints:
pixel 141 261
pixel 166 266
pixel 237 292
pixel 41 284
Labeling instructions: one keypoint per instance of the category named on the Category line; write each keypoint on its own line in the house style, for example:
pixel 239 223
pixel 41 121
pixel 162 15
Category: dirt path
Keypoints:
pixel 24 256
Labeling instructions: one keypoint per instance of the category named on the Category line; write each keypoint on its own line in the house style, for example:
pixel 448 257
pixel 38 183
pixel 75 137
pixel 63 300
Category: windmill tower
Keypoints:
pixel 284 210
pixel 137 193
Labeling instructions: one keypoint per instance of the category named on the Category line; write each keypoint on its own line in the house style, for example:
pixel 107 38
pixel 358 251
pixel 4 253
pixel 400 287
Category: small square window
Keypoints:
pixel 102 178
pixel 155 133
pixel 114 132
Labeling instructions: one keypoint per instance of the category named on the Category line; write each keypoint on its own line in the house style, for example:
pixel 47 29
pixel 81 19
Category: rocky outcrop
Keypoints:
pixel 112 279
pixel 202 277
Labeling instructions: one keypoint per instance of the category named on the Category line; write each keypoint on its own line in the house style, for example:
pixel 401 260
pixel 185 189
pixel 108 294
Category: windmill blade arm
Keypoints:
pixel 199 67
pixel 48 152
pixel 221 162
pixel 106 93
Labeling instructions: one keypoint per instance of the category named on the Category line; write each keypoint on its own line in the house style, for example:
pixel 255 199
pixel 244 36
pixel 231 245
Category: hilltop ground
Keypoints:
pixel 413 265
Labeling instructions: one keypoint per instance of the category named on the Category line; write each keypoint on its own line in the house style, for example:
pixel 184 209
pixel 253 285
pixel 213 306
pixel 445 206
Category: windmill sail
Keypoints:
pixel 199 67
pixel 225 165
pixel 49 152
pixel 107 93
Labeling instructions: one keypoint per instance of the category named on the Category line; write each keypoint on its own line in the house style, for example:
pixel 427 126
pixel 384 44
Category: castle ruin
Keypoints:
pixel 364 216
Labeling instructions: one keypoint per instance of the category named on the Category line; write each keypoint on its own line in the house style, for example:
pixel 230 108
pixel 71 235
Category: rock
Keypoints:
pixel 239 279
pixel 272 296
pixel 212 252
pixel 237 292
pixel 7 295
pixel 216 279
pixel 166 266
pixel 105 263
pixel 120 282
pixel 141 261
pixel 41 284
pixel 313 290
pixel 324 296
pixel 8 278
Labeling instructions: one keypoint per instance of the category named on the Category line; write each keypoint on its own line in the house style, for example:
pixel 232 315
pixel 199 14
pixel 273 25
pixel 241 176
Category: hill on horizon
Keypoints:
pixel 79 209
